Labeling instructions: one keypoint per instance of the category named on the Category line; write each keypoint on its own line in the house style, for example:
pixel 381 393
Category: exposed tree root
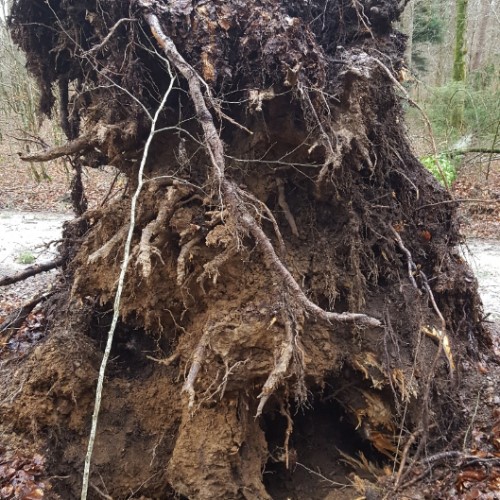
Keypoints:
pixel 281 368
pixel 264 200
pixel 146 248
pixel 228 190
pixel 412 268
pixel 284 206
pixel 212 268
pixel 196 364
pixel 105 250
pixel 183 255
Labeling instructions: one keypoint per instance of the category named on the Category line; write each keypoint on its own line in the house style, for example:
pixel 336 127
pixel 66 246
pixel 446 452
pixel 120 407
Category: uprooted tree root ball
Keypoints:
pixel 292 293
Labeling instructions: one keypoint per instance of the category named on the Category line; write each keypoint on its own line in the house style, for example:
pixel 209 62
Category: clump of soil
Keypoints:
pixel 293 270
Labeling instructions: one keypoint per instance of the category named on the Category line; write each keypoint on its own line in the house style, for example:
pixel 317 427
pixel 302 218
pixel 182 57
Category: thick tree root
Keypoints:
pixel 198 358
pixel 287 353
pixel 105 250
pixel 146 247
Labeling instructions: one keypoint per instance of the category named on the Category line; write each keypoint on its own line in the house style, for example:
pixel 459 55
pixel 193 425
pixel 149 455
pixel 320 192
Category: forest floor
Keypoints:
pixel 31 216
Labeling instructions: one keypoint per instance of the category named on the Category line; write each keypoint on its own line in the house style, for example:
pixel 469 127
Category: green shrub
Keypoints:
pixel 476 101
pixel 448 168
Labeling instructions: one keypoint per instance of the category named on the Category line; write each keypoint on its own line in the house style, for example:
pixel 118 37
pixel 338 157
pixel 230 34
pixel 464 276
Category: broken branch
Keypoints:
pixel 15 319
pixel 31 271
pixel 79 145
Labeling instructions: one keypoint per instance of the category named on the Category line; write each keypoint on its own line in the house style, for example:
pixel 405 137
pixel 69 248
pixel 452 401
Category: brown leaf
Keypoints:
pixel 6 472
pixel 34 494
pixel 7 491
pixel 468 476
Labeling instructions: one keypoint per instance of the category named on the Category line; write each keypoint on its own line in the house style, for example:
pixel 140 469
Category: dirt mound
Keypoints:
pixel 291 268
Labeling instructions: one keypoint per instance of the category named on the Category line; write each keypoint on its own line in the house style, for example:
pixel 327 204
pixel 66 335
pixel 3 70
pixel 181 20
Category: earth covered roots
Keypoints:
pixel 291 259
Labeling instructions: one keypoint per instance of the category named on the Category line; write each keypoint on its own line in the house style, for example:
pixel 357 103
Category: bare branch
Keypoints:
pixel 16 318
pixel 119 290
pixel 79 145
pixel 31 271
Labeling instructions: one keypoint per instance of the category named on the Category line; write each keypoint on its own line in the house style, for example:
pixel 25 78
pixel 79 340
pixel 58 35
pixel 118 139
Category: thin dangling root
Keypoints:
pixel 281 368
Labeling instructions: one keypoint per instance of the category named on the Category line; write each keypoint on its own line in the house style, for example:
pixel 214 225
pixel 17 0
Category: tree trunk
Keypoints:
pixel 482 30
pixel 459 62
pixel 283 272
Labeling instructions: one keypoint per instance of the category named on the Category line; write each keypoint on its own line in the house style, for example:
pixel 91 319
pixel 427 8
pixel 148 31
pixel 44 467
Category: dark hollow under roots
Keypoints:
pixel 291 260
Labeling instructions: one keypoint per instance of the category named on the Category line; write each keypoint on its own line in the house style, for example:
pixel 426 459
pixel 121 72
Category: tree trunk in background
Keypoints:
pixel 482 29
pixel 459 61
pixel 408 19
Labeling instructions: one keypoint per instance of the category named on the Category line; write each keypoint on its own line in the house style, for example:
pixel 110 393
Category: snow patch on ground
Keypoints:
pixel 484 258
pixel 25 234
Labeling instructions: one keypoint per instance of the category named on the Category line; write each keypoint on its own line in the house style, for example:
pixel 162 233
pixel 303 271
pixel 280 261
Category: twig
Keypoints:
pixel 412 268
pixel 469 428
pixel 31 271
pixel 16 318
pixel 167 361
pixel 101 493
pixel 462 200
pixel 434 460
pixel 107 38
pixel 110 189
pixel 422 112
pixel 404 456
pixel 120 287
pixel 321 476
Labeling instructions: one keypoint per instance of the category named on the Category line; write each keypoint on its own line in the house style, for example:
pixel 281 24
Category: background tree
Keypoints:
pixel 459 62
